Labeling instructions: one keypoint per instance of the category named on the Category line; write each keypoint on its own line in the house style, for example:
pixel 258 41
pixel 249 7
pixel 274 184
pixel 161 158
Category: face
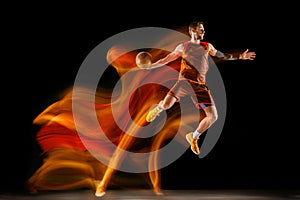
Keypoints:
pixel 198 33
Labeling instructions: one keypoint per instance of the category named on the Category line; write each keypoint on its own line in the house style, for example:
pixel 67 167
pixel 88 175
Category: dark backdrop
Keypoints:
pixel 258 148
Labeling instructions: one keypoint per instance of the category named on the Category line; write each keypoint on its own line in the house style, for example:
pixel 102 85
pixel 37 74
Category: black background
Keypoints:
pixel 259 146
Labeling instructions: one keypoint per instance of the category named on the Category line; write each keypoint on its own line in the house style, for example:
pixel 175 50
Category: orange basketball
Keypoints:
pixel 143 60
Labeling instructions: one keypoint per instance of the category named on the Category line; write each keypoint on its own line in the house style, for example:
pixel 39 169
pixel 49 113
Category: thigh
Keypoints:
pixel 202 97
pixel 180 89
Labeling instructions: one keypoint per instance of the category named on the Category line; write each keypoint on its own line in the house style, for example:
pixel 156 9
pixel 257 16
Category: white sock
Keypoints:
pixel 196 134
pixel 159 108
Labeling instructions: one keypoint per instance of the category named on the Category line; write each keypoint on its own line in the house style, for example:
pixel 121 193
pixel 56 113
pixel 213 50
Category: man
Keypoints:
pixel 194 56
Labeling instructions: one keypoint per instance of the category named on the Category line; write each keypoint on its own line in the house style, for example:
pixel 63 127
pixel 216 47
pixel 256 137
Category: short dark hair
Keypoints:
pixel 195 24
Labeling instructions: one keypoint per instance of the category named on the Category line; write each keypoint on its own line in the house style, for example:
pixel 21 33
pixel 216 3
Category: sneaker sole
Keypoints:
pixel 187 138
pixel 100 194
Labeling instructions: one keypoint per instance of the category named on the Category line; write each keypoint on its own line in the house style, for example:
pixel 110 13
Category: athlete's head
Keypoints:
pixel 196 29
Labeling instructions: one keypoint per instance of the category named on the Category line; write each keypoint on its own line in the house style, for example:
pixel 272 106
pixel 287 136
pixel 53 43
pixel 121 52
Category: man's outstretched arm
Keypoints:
pixel 246 55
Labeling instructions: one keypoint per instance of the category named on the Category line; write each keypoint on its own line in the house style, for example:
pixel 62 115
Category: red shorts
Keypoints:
pixel 198 92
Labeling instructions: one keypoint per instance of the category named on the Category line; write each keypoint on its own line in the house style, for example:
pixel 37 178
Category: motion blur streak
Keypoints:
pixel 65 155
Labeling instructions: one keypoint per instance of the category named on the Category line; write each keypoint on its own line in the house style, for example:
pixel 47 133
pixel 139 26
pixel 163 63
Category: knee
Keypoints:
pixel 164 105
pixel 213 117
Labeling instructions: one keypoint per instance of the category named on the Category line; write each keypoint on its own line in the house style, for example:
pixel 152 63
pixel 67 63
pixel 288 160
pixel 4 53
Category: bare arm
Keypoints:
pixel 246 55
pixel 169 58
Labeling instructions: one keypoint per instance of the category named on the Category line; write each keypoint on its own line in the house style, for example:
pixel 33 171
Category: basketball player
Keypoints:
pixel 194 66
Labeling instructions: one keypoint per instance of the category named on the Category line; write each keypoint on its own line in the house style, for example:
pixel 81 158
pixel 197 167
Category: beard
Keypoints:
pixel 199 37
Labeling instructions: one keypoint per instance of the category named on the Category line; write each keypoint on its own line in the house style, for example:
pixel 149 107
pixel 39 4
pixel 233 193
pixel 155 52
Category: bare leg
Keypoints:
pixel 159 140
pixel 101 188
pixel 209 119
pixel 115 161
pixel 154 172
pixel 163 105
pixel 168 102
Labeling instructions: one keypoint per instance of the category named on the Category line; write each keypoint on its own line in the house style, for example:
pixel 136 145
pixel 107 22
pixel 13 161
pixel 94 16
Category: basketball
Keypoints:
pixel 143 60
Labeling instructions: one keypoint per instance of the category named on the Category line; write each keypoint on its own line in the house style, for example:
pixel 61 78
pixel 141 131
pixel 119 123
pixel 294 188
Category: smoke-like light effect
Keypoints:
pixel 109 125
